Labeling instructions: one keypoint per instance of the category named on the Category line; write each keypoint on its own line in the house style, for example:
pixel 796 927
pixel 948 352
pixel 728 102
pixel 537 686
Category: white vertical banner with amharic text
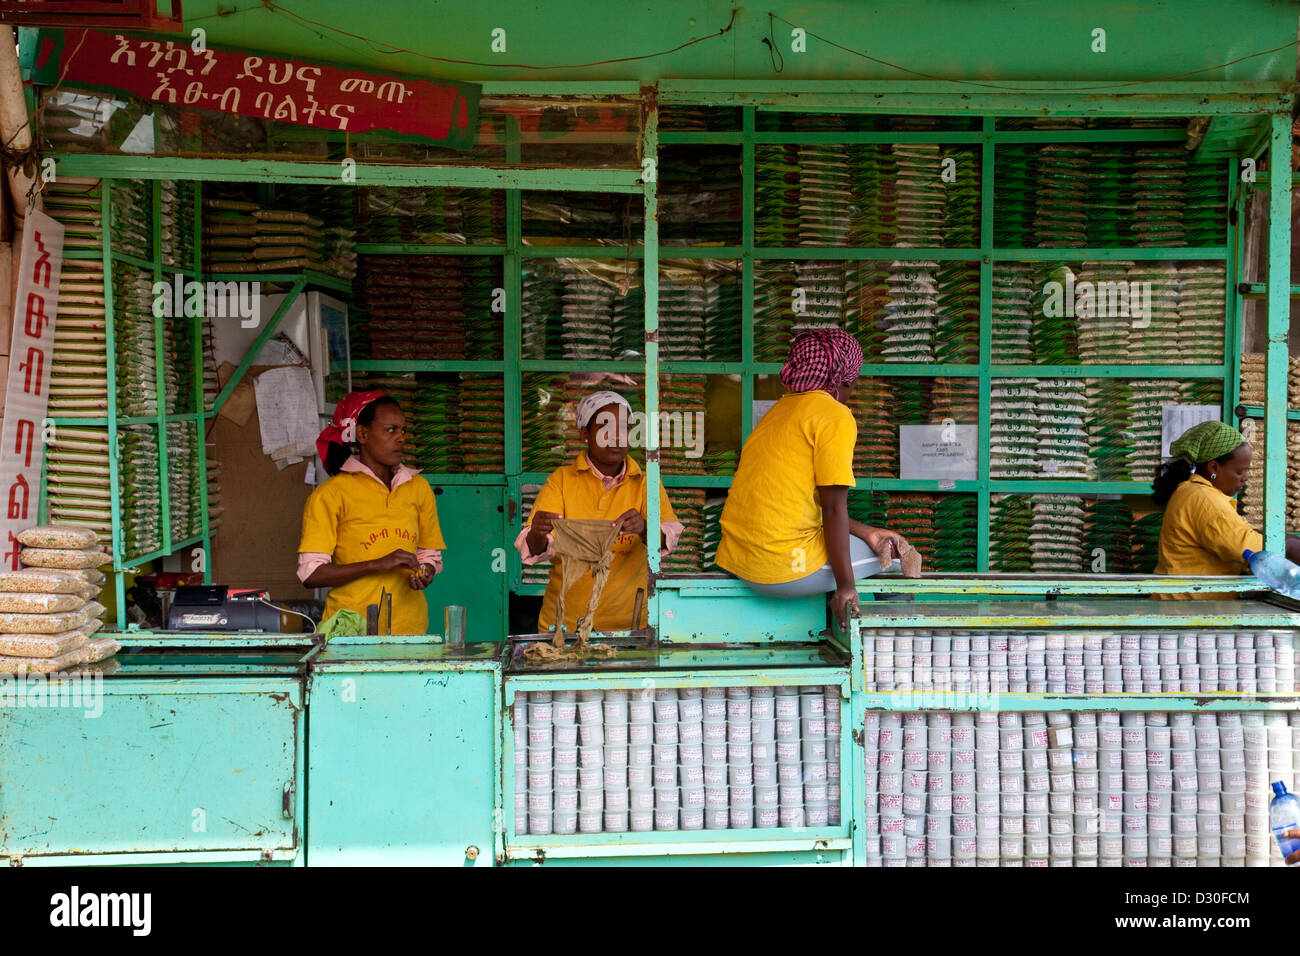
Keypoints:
pixel 27 393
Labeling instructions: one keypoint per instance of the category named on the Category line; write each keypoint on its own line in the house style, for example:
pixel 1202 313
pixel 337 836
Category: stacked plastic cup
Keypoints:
pixel 834 709
pixel 1280 760
pixel 541 762
pixel 1037 787
pixel 1060 771
pixel 667 796
pixel 964 799
pixel 871 818
pixel 1255 799
pixel 1087 805
pixel 1209 778
pixel 903 662
pixel 915 777
pixel 762 733
pixel 1133 737
pixel 1184 802
pixel 939 789
pixel 1285 662
pixel 740 758
pixel 690 749
pixel 1160 788
pixel 717 798
pixel 812 735
pixel 789 757
pixel 890 778
pixel 987 789
pixel 1232 794
pixel 1110 790
pixel 618 761
pixel 591 774
pixel 565 731
pixel 1010 788
pixel 641 763
pixel 519 711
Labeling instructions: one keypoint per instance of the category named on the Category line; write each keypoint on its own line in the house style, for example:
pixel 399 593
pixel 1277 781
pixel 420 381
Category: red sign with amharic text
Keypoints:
pixel 290 91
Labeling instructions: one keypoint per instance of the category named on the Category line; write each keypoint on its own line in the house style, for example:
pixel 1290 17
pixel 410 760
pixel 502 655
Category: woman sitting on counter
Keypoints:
pixel 373 526
pixel 1202 533
pixel 786 529
pixel 603 483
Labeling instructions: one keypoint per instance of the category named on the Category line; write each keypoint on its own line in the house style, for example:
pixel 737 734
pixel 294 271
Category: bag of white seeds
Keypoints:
pixel 50 623
pixel 58 536
pixel 46 645
pixel 45 580
pixel 67 558
pixel 20 602
pixel 43 665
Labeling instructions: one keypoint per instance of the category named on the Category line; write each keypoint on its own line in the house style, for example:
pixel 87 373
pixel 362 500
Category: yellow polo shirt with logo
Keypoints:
pixel 573 491
pixel 1202 534
pixel 772 521
pixel 354 517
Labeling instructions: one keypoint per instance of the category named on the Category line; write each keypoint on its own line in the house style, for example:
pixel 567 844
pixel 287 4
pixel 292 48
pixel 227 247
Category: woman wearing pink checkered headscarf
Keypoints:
pixel 786 528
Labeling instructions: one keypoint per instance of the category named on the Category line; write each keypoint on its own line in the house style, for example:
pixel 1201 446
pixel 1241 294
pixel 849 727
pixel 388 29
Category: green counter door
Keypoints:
pixel 402 767
pixel 147 766
pixel 474 566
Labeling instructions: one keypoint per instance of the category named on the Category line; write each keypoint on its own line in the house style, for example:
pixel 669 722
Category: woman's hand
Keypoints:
pixel 423 577
pixel 844 602
pixel 543 524
pixel 887 545
pixel 1292 835
pixel 398 560
pixel 631 522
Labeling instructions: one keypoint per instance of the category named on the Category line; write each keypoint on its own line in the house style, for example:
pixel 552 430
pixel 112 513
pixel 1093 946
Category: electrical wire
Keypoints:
pixel 1030 89
pixel 381 46
pixel 285 610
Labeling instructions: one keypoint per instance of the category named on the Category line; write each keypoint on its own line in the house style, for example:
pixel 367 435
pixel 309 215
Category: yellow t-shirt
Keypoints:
pixel 353 517
pixel 772 521
pixel 574 492
pixel 1203 534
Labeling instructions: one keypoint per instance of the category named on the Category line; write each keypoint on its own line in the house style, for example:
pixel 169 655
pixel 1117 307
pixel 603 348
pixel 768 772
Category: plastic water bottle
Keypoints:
pixel 1274 570
pixel 1283 815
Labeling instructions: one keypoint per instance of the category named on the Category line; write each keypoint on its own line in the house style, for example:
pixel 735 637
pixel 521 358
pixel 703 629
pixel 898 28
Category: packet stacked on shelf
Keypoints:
pixel 48 610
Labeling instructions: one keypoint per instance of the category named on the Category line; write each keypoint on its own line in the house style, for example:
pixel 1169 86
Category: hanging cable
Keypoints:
pixel 385 47
pixel 770 42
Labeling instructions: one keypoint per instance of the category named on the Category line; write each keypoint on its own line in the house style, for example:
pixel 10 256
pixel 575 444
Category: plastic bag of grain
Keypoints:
pixel 91 576
pixel 47 645
pixel 43 665
pixel 101 648
pixel 43 580
pixel 89 592
pixel 58 536
pixel 68 558
pixel 35 602
pixel 50 623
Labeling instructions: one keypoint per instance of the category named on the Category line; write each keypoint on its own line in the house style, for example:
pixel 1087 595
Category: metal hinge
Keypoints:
pixel 287 801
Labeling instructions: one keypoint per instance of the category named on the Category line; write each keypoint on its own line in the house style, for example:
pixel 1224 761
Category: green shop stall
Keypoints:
pixel 918 185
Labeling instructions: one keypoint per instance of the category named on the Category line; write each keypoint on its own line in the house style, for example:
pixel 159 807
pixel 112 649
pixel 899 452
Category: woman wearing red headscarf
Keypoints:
pixel 374 524
pixel 786 528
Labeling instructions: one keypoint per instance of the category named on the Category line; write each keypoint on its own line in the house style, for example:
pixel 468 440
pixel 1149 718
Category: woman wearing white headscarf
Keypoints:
pixel 602 483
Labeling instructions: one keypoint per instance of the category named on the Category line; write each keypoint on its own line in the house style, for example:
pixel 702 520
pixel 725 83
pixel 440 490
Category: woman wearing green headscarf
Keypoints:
pixel 1202 533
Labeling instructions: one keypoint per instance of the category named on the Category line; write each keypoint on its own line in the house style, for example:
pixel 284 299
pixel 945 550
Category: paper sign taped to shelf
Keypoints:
pixel 1178 418
pixel 927 452
pixel 27 393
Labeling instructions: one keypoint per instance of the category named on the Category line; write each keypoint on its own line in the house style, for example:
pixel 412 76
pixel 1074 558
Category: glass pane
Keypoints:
pixel 1107 195
pixel 428 307
pixel 1109 312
